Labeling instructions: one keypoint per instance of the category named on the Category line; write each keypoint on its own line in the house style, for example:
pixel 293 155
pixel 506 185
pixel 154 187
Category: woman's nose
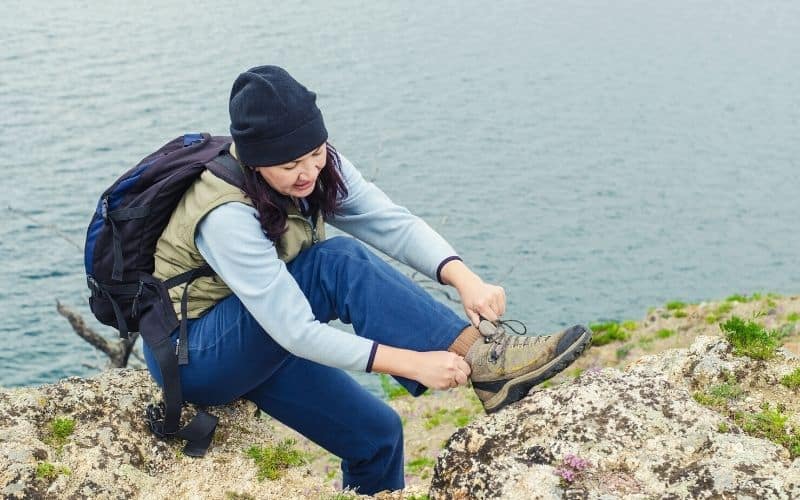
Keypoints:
pixel 307 173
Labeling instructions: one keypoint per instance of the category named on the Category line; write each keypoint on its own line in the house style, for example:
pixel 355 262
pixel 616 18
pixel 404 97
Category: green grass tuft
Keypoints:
pixel 680 313
pixel 793 317
pixel 723 308
pixel 737 298
pixel 272 461
pixel 645 343
pixel 719 395
pixel 675 305
pixel 723 427
pixel 605 333
pixel 46 470
pixel 235 495
pixel 629 325
pixel 748 338
pixel 728 390
pixel 418 464
pixel 769 424
pixel 792 381
pixel 623 352
pixel 459 417
pixel 665 333
pixel 391 389
pixel 60 429
pixel 343 495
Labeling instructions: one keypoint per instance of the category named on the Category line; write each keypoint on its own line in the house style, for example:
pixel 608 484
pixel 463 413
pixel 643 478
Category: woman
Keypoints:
pixel 258 330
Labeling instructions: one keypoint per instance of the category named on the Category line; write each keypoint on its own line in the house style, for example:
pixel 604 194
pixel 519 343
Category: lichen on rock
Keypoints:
pixel 641 430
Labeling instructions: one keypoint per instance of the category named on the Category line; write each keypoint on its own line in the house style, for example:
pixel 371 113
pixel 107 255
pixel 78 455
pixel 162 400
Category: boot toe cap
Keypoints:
pixel 577 334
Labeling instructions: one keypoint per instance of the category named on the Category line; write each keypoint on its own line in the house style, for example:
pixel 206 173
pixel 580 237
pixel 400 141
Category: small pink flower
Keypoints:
pixel 566 474
pixel 576 462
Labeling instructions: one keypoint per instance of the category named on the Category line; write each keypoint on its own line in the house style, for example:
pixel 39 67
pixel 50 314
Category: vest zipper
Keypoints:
pixel 311 225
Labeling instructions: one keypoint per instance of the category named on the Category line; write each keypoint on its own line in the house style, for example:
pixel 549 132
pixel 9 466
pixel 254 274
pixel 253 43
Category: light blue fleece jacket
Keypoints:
pixel 232 242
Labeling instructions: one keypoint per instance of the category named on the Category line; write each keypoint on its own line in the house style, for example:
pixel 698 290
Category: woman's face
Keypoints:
pixel 296 178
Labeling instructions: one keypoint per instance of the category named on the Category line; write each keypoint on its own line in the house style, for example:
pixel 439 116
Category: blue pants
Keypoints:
pixel 231 357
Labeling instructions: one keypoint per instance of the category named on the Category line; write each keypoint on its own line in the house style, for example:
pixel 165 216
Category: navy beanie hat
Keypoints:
pixel 274 119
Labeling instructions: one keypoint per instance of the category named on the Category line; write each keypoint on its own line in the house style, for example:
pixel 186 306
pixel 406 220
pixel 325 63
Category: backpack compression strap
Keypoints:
pixel 164 419
pixel 183 350
pixel 121 215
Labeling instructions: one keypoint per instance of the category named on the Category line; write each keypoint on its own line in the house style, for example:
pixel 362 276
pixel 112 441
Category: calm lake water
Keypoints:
pixel 594 158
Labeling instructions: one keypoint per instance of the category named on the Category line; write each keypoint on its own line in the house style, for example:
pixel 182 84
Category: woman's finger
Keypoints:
pixel 488 313
pixel 463 366
pixel 501 303
pixel 460 378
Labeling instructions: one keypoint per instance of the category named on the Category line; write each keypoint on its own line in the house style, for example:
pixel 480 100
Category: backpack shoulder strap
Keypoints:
pixel 227 168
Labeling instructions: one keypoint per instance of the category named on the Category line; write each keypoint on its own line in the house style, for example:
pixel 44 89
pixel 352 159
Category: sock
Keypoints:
pixel 464 341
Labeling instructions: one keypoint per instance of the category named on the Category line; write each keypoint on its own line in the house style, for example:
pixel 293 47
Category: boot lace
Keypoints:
pixel 503 341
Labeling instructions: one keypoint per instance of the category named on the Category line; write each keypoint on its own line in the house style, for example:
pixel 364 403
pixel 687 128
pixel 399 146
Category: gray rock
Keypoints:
pixel 641 431
pixel 112 454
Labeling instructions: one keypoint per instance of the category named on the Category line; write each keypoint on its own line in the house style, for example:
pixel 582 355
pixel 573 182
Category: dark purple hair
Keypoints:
pixel 272 206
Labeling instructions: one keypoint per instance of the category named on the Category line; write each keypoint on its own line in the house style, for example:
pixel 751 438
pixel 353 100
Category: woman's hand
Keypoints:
pixel 434 369
pixel 482 299
pixel 441 369
pixel 478 298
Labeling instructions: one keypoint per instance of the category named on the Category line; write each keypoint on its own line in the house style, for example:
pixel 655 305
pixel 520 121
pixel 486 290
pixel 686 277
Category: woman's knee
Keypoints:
pixel 344 245
pixel 384 437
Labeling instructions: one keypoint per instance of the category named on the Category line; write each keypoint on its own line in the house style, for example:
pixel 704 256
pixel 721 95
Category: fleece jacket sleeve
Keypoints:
pixel 368 214
pixel 232 242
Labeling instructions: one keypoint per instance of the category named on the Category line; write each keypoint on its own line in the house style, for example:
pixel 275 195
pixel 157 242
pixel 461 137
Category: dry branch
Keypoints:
pixel 118 352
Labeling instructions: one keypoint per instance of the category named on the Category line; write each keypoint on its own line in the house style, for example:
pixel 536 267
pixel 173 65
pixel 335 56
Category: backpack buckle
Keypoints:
pixel 155 418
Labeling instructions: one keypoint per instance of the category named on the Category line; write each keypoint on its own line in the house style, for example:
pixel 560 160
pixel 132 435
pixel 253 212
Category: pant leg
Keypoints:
pixel 229 355
pixel 333 410
pixel 343 279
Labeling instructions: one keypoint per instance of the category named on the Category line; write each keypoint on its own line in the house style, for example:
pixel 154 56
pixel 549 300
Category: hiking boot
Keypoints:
pixel 505 366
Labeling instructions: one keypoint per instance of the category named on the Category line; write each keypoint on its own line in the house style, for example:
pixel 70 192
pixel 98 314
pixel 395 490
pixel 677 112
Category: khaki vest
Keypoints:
pixel 176 251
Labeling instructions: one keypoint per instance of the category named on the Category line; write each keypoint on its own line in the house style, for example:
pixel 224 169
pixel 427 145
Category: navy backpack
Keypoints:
pixel 118 255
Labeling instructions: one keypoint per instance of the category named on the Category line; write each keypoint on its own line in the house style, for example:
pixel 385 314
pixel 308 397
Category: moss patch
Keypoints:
pixel 58 431
pixel 272 461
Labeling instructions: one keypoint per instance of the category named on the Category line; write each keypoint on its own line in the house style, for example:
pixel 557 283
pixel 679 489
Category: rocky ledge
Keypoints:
pixel 697 420
pixel 688 423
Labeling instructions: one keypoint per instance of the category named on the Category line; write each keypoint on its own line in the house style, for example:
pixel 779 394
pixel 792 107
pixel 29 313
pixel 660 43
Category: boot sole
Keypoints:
pixel 517 388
